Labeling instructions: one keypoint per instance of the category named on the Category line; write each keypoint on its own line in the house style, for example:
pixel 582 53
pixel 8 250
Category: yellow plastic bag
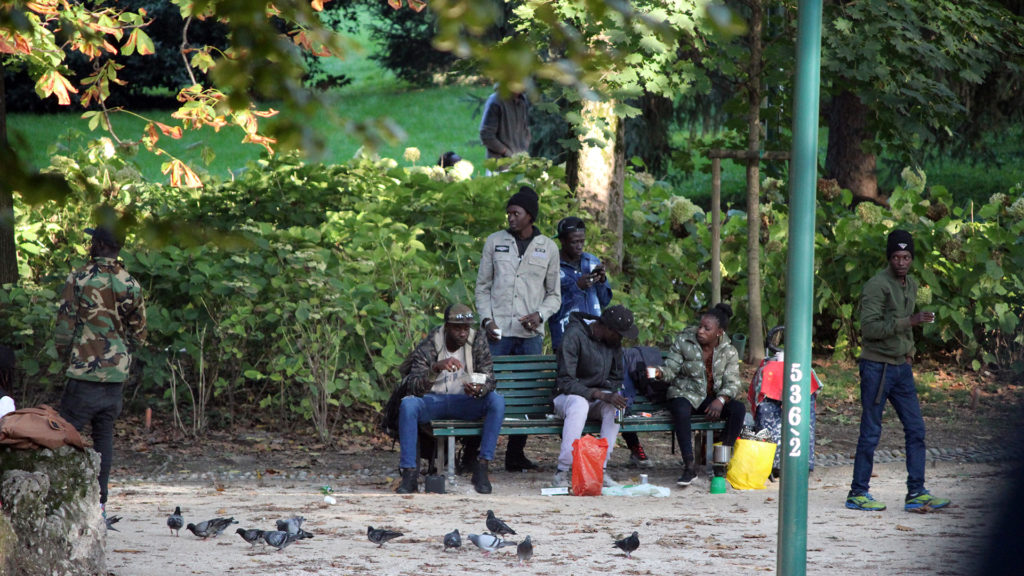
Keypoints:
pixel 751 464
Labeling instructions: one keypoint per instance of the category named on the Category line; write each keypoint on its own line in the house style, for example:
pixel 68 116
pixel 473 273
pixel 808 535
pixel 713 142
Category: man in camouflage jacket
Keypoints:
pixel 101 319
pixel 438 379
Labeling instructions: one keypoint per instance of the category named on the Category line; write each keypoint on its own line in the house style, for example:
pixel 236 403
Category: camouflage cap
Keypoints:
pixel 458 314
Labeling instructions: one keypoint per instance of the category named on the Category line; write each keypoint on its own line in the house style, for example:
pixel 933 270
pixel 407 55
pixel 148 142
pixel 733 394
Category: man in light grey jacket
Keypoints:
pixel 517 290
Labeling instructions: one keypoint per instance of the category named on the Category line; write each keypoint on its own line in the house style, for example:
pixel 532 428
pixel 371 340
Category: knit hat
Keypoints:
pixel 899 240
pixel 620 319
pixel 526 199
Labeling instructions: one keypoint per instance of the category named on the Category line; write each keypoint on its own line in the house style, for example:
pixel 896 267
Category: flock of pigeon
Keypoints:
pixel 290 529
pixel 494 539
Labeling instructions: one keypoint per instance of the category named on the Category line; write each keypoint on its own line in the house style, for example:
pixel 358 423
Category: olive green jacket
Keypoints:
pixel 886 306
pixel 684 368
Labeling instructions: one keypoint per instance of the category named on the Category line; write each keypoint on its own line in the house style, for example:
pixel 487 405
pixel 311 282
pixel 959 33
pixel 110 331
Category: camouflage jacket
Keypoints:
pixel 100 320
pixel 417 376
pixel 684 369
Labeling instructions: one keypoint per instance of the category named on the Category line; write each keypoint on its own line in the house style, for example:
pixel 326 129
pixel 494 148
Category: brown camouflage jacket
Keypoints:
pixel 417 375
pixel 100 320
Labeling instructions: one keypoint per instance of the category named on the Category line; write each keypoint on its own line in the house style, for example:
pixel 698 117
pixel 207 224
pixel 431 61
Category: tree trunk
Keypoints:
pixel 657 115
pixel 845 160
pixel 598 174
pixel 755 332
pixel 8 253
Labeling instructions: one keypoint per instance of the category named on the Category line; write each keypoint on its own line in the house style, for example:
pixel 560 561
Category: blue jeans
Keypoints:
pixel 899 389
pixel 420 409
pixel 514 346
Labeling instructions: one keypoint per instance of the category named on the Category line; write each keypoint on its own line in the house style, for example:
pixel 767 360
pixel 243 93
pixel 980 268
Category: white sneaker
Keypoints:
pixel 609 482
pixel 561 479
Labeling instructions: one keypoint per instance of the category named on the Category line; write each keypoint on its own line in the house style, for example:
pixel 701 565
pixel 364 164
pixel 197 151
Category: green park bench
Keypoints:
pixel 527 383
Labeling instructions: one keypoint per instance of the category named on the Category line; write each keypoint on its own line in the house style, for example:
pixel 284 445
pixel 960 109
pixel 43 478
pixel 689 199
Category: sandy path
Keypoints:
pixel 689 532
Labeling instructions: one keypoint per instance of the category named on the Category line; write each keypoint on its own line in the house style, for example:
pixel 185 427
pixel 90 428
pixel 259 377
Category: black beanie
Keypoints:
pixel 526 199
pixel 899 240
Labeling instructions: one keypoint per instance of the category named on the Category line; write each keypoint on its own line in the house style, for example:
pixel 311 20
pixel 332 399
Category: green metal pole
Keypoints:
pixel 792 559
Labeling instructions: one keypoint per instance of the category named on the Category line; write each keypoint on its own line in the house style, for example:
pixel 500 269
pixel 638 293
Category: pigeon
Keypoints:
pixel 279 539
pixel 111 521
pixel 291 525
pixel 497 526
pixel 628 544
pixel 379 536
pixel 489 542
pixel 210 528
pixel 452 540
pixel 250 535
pixel 525 550
pixel 175 522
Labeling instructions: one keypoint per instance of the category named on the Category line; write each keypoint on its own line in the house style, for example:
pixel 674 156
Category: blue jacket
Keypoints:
pixel 589 301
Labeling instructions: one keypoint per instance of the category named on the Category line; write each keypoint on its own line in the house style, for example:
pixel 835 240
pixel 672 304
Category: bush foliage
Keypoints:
pixel 293 292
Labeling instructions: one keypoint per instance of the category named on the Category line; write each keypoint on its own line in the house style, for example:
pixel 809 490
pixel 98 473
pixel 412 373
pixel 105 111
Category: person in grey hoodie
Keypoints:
pixel 505 126
pixel 589 380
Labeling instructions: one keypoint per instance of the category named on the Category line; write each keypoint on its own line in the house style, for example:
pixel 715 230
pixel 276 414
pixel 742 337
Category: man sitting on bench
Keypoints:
pixel 589 380
pixel 449 375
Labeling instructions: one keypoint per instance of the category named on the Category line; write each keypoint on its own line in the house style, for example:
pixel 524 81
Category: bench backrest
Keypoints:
pixel 528 386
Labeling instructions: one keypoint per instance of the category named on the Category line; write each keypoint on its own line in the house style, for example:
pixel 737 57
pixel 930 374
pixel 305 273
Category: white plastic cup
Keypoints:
pixel 497 332
pixel 652 372
pixel 643 478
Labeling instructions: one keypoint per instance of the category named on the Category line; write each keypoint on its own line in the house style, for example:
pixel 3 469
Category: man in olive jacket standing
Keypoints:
pixel 887 321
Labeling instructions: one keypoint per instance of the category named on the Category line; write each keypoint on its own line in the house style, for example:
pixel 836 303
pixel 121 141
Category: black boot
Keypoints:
pixel 689 473
pixel 466 462
pixel 480 480
pixel 515 458
pixel 410 481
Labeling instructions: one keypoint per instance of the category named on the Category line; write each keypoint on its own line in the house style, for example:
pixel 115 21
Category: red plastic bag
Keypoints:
pixel 588 454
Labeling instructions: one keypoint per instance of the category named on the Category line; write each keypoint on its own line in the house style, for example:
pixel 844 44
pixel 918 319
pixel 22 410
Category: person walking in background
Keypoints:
pixel 100 322
pixel 585 289
pixel 517 289
pixel 887 321
pixel 703 371
pixel 505 126
pixel 589 380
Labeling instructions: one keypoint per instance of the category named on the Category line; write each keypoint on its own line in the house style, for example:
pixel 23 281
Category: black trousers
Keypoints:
pixel 97 404
pixel 733 413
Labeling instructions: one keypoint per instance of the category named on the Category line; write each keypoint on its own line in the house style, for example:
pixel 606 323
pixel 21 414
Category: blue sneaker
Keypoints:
pixel 924 502
pixel 864 502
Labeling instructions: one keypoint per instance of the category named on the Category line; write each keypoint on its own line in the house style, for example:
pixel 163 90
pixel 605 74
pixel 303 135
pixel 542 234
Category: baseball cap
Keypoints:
pixel 458 314
pixel 620 319
pixel 104 235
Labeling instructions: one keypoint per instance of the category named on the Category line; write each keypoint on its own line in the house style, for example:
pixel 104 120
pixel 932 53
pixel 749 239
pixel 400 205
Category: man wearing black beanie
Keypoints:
pixel 887 321
pixel 517 290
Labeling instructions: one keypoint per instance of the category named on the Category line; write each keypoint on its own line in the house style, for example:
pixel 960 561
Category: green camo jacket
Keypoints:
pixel 684 368
pixel 100 320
